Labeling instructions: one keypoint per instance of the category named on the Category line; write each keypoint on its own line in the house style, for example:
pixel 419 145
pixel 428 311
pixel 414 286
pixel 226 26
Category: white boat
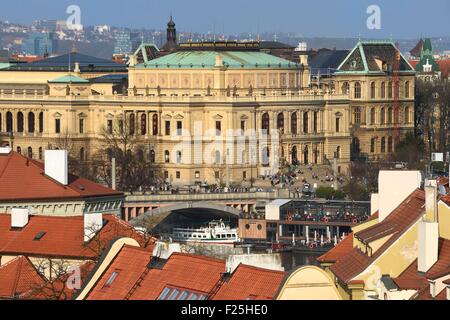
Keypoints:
pixel 217 232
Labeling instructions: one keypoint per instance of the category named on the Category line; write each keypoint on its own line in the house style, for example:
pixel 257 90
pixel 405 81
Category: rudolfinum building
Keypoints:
pixel 220 92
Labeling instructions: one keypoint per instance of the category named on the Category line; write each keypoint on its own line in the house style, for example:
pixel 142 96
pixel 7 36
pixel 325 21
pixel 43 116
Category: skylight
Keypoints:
pixel 169 293
pixel 111 279
pixel 39 235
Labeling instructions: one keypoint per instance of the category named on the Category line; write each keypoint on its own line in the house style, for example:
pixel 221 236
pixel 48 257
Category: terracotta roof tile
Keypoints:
pixel 64 236
pixel 18 278
pixel 249 282
pixel 425 294
pixel 405 215
pixel 446 199
pixel 16 169
pixel 442 266
pixel 340 250
pixel 411 279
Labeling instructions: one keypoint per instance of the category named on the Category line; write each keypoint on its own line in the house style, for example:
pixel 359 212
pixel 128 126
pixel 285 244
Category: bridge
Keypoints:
pixel 201 210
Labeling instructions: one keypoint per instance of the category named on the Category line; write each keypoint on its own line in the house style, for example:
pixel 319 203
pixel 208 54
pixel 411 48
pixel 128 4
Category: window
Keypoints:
pixel 178 156
pixel 372 116
pixel 40 153
pixel 82 154
pixel 407 89
pixel 265 123
pixel 265 156
pixel 179 128
pixel 9 122
pixel 31 122
pixel 407 115
pixel 155 124
pixel 243 126
pixel 121 126
pixel 294 123
pixel 217 174
pixel 344 88
pixel 30 153
pixel 170 293
pixel 57 125
pixel 167 128
pixel 197 174
pixel 390 144
pixel 178 175
pixel 109 126
pixel 81 125
pixel 383 90
pixel 111 279
pixel 372 145
pixel 280 122
pixel 19 150
pixel 338 123
pixel 383 144
pixel 166 175
pixel 143 124
pixel 305 122
pixel 218 128
pixel 383 116
pixel 20 122
pixel 357 115
pixel 372 90
pixel 41 122
pixel 338 152
pixel 357 93
pixel 244 175
pixel 390 89
pixel 166 156
pixel 315 121
pixel 217 158
pixel 152 156
pixel 132 123
pixel 390 114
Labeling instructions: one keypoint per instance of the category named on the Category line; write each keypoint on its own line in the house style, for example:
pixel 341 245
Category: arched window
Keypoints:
pixel 19 150
pixel 306 155
pixel 315 121
pixel 9 122
pixel 390 115
pixel 179 156
pixel 31 122
pixel 155 124
pixel 41 122
pixel 345 88
pixel 30 153
pixel 140 154
pixel 244 157
pixel 82 154
pixel 294 123
pixel 338 123
pixel 305 122
pixel 217 157
pixel 407 89
pixel 338 152
pixel 372 90
pixel 357 93
pixel 40 153
pixel 390 89
pixel 372 145
pixel 372 116
pixel 166 156
pixel 143 124
pixel 152 156
pixel 265 123
pixel 280 122
pixel 383 144
pixel 406 120
pixel 390 143
pixel 383 90
pixel 383 116
pixel 20 122
pixel 132 123
pixel 357 115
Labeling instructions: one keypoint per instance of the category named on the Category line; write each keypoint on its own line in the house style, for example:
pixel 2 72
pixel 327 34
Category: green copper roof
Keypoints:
pixel 69 79
pixel 207 60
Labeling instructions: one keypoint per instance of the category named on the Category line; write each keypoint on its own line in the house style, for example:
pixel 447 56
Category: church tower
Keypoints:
pixel 171 43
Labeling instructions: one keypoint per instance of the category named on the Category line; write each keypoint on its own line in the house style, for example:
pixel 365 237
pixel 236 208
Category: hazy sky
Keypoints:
pixel 332 18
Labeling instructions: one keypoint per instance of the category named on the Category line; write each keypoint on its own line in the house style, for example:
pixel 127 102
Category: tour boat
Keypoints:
pixel 217 232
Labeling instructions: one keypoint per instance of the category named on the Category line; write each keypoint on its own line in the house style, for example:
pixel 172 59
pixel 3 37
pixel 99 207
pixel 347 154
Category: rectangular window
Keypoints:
pixel 111 279
pixel 58 125
pixel 178 175
pixel 109 126
pixel 166 175
pixel 167 128
pixel 81 125
pixel 121 126
pixel 218 128
pixel 179 128
pixel 338 120
pixel 244 174
pixel 242 126
pixel 197 174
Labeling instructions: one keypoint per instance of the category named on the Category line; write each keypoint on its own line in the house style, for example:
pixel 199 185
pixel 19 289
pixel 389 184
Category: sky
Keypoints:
pixel 307 18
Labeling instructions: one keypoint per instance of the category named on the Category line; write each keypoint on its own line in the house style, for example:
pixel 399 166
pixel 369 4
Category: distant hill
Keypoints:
pixel 100 49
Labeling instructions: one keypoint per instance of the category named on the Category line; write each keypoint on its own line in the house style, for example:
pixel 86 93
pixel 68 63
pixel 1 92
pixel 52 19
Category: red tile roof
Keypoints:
pixel 425 294
pixel 18 278
pixel 411 279
pixel 340 250
pixel 444 66
pixel 249 282
pixel 396 223
pixel 447 282
pixel 442 266
pixel 17 170
pixel 64 236
pixel 446 199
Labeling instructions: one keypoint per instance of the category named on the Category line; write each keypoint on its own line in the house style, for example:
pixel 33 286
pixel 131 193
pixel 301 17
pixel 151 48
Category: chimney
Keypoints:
pixel 304 59
pixel 19 217
pixel 56 165
pixel 428 230
pixel 264 261
pixel 92 223
pixel 164 250
pixel 5 150
pixel 394 186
